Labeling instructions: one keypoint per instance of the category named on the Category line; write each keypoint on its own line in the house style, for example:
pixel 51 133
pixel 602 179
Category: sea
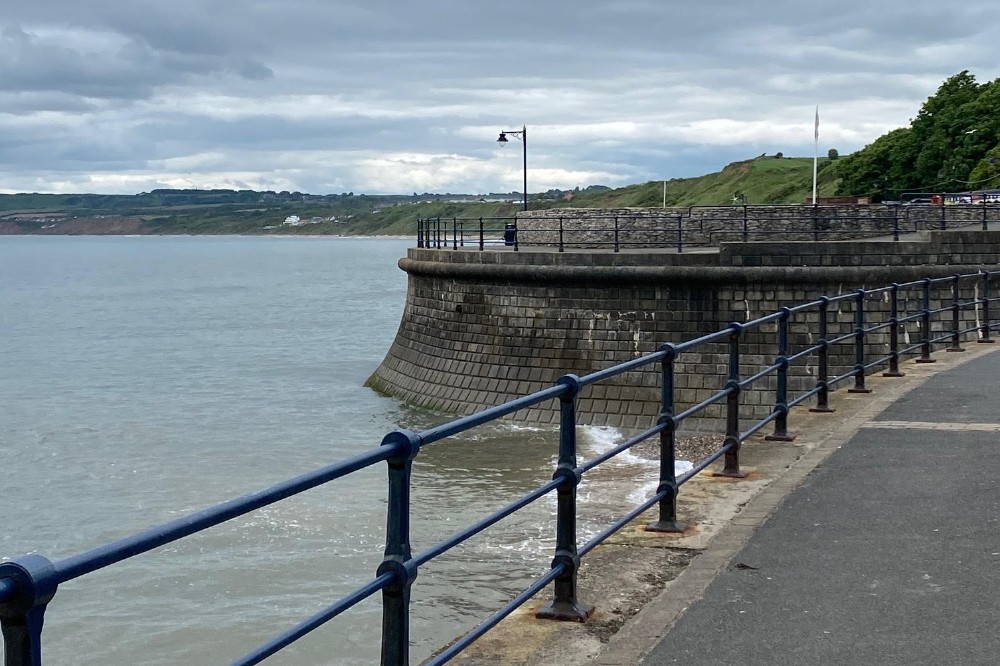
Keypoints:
pixel 143 378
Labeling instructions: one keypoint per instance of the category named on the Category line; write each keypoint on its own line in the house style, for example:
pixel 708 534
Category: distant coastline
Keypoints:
pixel 27 224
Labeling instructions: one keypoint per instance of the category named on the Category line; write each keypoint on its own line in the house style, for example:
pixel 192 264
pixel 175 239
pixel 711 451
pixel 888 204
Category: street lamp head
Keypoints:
pixel 522 136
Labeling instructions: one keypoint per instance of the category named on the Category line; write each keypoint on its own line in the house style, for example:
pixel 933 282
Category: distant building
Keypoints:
pixel 293 221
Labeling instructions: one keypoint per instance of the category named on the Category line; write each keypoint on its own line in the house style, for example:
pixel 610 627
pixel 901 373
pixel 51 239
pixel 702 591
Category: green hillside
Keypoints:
pixel 762 180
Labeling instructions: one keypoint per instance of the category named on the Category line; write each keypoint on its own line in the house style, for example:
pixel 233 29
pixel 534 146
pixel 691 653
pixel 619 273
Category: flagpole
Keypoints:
pixel 815 153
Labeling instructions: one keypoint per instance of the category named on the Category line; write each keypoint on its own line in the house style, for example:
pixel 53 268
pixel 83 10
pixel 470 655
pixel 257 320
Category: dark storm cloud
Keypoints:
pixel 383 94
pixel 105 66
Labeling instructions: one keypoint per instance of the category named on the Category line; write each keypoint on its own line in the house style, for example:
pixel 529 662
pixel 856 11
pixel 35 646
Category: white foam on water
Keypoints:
pixel 520 427
pixel 645 491
pixel 501 428
pixel 601 439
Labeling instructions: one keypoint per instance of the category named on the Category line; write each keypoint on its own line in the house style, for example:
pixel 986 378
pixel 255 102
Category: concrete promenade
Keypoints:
pixel 888 552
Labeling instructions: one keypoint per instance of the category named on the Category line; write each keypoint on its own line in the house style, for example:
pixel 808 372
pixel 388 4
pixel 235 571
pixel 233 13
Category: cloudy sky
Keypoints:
pixel 387 96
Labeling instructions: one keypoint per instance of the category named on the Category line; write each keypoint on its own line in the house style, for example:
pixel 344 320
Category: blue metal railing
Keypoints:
pixel 700 226
pixel 28 583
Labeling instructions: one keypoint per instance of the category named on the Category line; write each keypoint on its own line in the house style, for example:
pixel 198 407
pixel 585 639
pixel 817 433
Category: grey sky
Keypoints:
pixel 385 96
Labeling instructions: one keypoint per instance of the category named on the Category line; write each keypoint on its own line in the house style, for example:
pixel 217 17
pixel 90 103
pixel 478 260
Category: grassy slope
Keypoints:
pixel 764 180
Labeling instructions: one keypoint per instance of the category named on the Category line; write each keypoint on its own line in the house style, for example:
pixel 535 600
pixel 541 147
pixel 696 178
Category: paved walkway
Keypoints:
pixel 887 553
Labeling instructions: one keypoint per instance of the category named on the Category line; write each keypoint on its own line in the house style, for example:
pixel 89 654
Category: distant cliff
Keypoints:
pixel 71 226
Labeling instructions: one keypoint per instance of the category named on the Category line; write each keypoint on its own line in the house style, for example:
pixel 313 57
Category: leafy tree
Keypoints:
pixel 941 149
pixel 986 174
pixel 832 154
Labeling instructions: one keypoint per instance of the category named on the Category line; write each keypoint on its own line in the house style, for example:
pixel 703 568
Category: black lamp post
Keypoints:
pixel 521 134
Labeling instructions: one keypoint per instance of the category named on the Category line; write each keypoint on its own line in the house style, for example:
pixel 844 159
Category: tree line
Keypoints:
pixel 953 144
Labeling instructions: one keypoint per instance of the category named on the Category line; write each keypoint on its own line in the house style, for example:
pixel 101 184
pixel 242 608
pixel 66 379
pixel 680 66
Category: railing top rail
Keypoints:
pixel 449 218
pixel 805 307
pixel 452 428
pixel 774 316
pixel 718 336
pixel 607 373
pixel 130 546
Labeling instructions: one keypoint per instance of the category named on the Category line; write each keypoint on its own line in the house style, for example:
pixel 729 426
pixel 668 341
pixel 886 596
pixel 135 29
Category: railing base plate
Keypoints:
pixel 955 349
pixel 986 341
pixel 565 612
pixel 859 390
pixel 730 474
pixel 777 437
pixel 822 410
pixel 893 374
pixel 672 526
pixel 926 360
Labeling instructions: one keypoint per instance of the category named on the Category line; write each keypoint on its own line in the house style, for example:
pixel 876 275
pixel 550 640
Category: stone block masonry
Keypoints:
pixel 709 226
pixel 482 328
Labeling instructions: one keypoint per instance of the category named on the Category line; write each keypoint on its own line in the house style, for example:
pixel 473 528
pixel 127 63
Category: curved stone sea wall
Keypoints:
pixel 482 328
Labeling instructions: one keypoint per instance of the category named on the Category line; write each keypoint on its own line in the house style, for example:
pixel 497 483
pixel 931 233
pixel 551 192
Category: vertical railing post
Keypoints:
pixel 561 248
pixel 616 233
pixel 437 234
pixel 482 237
pixel 420 232
pixel 944 224
pixel 461 233
pixel 986 226
pixel 895 223
pixel 746 224
pixel 859 344
pixel 823 371
pixel 454 233
pixel 397 560
pixel 815 221
pixel 986 327
pixel 893 370
pixel 680 234
pixel 667 518
pixel 956 324
pixel 731 466
pixel 564 604
pixel 517 247
pixel 781 433
pixel 925 326
pixel 32 582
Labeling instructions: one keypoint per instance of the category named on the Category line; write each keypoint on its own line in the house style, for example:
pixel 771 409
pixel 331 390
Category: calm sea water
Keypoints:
pixel 146 377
